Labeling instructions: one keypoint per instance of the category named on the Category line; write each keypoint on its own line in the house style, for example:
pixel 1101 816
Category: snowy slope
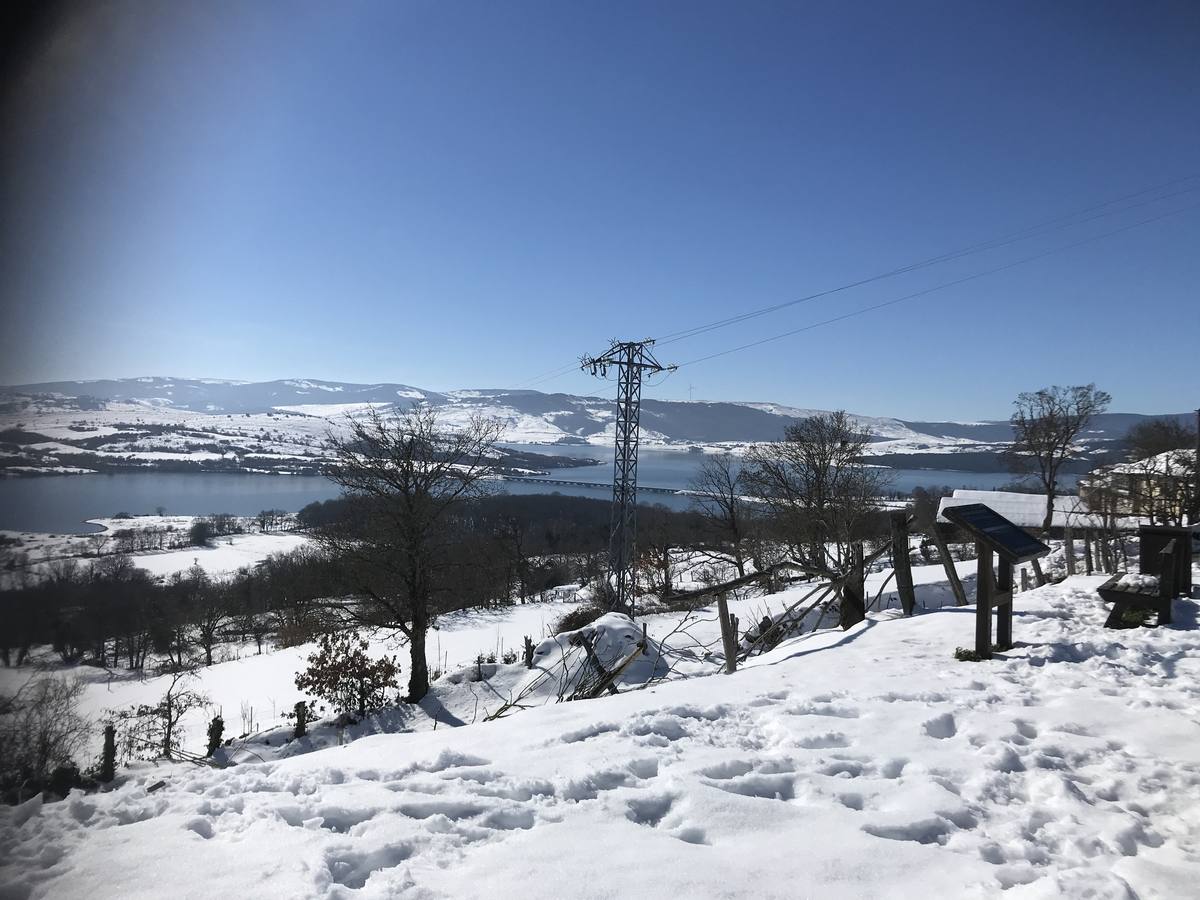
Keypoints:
pixel 529 416
pixel 859 764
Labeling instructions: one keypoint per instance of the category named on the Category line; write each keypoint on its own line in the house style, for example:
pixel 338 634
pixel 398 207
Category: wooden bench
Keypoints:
pixel 1129 597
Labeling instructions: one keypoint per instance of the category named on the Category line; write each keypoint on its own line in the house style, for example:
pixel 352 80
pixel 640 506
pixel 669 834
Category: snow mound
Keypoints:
pixel 562 665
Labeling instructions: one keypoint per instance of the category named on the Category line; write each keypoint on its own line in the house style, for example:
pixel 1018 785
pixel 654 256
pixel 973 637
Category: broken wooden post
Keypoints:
pixel 528 652
pixel 728 633
pixel 1089 565
pixel 901 563
pixel 108 756
pixel 1168 580
pixel 1069 550
pixel 602 674
pixel 1024 580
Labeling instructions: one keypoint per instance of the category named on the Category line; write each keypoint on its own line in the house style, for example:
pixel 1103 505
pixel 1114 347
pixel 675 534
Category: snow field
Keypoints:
pixel 225 555
pixel 859 764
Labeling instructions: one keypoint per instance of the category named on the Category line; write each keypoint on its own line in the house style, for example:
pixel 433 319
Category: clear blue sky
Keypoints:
pixel 460 195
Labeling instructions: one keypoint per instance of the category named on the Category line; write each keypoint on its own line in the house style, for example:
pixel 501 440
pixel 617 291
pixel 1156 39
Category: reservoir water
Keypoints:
pixel 63 503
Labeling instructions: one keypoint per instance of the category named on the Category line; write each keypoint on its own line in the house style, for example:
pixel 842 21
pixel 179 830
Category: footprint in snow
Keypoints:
pixel 941 727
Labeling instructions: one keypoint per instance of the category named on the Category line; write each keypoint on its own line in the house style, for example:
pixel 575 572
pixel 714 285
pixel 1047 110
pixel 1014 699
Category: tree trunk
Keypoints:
pixel 854 601
pixel 418 676
pixel 900 561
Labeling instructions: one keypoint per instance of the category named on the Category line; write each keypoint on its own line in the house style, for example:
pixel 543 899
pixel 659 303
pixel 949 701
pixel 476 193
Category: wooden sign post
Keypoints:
pixel 994 534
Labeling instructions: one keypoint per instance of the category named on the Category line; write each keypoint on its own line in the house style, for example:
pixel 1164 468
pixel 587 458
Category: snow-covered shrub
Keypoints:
pixel 342 674
pixel 562 666
pixel 578 617
pixel 150 731
pixel 41 734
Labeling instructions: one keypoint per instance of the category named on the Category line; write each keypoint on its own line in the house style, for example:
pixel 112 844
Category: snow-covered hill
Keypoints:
pixel 860 764
pixel 277 426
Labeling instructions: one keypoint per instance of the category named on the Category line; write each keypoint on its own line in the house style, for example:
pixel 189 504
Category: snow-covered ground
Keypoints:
pixel 860 764
pixel 254 692
pixel 221 556
pixel 224 555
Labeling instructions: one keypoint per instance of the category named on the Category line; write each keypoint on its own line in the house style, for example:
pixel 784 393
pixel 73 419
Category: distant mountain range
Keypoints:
pixel 529 416
pixel 532 415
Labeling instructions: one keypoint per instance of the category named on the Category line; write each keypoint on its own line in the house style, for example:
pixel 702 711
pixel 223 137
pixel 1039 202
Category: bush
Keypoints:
pixel 577 618
pixel 1135 618
pixel 41 732
pixel 216 729
pixel 201 533
pixel 146 731
pixel 342 674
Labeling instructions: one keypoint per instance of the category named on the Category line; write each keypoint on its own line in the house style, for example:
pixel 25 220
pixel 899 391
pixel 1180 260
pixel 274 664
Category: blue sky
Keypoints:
pixel 472 194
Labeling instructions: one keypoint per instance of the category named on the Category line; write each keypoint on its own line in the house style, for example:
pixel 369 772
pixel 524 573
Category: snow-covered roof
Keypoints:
pixel 1025 510
pixel 1171 462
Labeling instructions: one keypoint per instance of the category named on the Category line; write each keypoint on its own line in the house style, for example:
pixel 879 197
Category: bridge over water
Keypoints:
pixel 560 482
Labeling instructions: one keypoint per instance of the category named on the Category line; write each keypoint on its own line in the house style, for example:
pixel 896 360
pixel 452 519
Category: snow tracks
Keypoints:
pixel 879 767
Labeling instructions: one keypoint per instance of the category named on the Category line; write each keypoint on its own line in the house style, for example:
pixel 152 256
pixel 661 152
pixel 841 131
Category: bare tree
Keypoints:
pixel 719 496
pixel 1162 471
pixel 1046 424
pixel 817 485
pixel 406 475
pixel 207 607
pixel 148 731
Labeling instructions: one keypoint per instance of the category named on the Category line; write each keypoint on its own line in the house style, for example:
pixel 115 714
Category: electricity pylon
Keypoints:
pixel 631 359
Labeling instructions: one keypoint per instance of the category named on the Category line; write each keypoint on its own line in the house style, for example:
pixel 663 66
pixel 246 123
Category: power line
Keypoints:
pixel 939 287
pixel 1038 230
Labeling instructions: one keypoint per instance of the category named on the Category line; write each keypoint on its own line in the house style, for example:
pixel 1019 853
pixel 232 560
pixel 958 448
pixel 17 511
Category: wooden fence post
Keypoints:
pixel 900 561
pixel 728 633
pixel 1024 580
pixel 1088 562
pixel 108 757
pixel 985 587
pixel 1004 604
pixel 1069 550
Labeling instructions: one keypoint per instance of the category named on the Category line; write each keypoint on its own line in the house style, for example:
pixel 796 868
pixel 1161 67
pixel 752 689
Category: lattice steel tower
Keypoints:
pixel 631 359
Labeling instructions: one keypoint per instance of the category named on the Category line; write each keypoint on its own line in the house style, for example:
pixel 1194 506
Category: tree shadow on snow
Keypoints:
pixel 436 710
pixel 846 638
pixel 1184 615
